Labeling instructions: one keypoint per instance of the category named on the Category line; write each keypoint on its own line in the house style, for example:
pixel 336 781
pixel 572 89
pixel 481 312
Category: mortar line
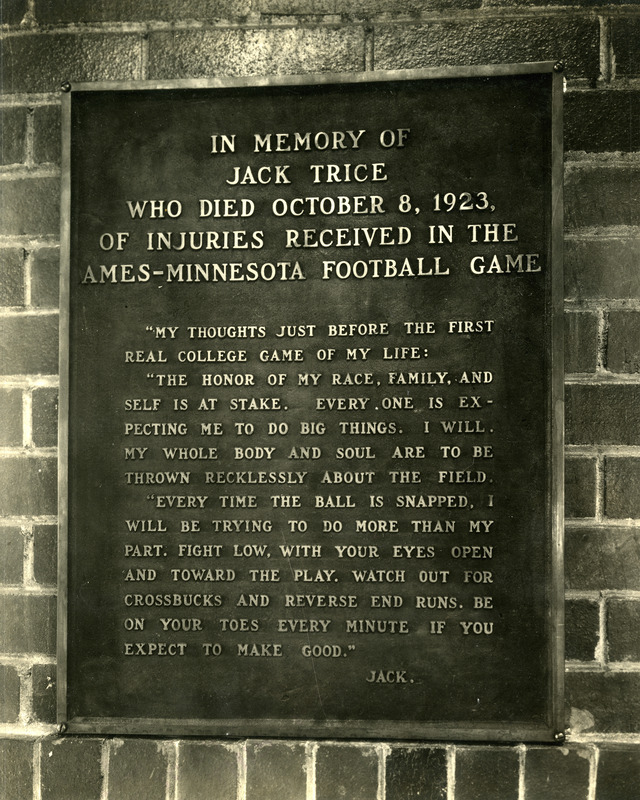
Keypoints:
pixel 522 761
pixel 369 48
pixel 28 579
pixel 241 790
pixel 28 267
pixel 606 52
pixel 37 770
pixel 602 339
pixel 105 757
pixel 171 788
pixel 310 763
pixel 593 772
pixel 451 772
pixel 600 653
pixel 600 488
pixel 382 772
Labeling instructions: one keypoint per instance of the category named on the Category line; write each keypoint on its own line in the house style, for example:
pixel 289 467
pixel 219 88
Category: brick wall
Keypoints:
pixel 46 42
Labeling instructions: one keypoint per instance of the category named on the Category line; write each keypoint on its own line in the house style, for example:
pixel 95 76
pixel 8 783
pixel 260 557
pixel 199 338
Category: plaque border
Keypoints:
pixel 553 730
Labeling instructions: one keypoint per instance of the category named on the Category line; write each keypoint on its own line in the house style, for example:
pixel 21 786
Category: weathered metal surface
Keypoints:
pixel 312 422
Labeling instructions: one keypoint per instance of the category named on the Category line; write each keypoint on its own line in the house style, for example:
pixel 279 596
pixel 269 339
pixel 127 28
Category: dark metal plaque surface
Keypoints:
pixel 312 407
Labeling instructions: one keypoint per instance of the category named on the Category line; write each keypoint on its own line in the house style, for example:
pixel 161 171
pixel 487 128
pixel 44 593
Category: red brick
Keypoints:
pixel 70 769
pixel 491 41
pixel 56 11
pixel 11 555
pixel 618 773
pixel 11 276
pixel 46 135
pixel 486 773
pixel 28 624
pixel 44 692
pixel 604 268
pixel 30 206
pixel 206 771
pixel 582 624
pixel 600 121
pixel 13 130
pixel 16 775
pixel 623 630
pixel 9 694
pixel 11 418
pixel 579 487
pixel 45 417
pixel 137 768
pixel 612 698
pixel 625 40
pixel 597 195
pixel 276 770
pixel 557 774
pixel 623 341
pixel 182 54
pixel 622 487
pixel 29 345
pixel 45 554
pixel 28 486
pixel 602 414
pixel 45 277
pixel 602 558
pixel 416 772
pixel 580 341
pixel 346 771
pixel 42 62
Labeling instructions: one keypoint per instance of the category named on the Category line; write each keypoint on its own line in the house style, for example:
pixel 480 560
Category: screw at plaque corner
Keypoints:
pixel 62 728
pixel 558 66
pixel 65 87
pixel 560 737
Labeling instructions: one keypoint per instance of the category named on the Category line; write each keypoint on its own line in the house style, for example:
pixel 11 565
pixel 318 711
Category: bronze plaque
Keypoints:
pixel 312 407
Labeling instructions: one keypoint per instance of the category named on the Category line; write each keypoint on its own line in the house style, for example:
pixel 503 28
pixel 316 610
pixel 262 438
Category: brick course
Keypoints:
pixel 279 51
pixel 491 41
pixel 43 62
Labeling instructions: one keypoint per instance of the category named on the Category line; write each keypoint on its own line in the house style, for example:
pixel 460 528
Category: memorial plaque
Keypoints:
pixel 311 407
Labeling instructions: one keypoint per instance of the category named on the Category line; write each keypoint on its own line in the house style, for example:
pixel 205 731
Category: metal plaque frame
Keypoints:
pixel 550 728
